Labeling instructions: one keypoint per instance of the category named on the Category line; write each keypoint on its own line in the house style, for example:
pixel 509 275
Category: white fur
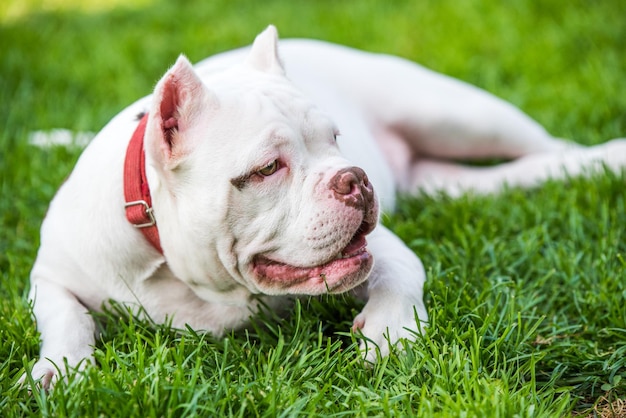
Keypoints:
pixel 236 112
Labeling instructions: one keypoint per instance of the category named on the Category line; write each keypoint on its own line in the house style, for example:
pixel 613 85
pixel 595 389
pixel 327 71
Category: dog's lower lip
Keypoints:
pixel 335 276
pixel 264 261
pixel 346 269
pixel 329 274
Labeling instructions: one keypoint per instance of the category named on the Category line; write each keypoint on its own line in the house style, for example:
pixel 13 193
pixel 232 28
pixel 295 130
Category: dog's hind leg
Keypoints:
pixel 444 118
pixel 432 176
pixel 439 116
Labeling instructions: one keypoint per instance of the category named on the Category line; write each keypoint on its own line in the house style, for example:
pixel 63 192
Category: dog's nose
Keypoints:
pixel 351 186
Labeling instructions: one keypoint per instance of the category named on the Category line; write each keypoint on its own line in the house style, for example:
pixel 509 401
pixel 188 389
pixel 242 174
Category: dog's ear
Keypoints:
pixel 264 53
pixel 178 100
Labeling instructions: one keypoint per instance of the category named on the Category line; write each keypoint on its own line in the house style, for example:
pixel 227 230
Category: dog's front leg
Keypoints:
pixel 67 331
pixel 394 295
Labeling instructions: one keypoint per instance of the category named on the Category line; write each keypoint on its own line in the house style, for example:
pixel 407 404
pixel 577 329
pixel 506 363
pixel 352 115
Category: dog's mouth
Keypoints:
pixel 343 272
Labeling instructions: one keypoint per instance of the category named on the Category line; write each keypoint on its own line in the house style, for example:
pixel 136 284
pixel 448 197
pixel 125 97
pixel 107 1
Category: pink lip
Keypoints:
pixel 335 276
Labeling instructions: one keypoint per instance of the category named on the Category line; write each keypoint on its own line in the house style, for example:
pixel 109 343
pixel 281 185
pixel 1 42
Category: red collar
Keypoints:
pixel 136 190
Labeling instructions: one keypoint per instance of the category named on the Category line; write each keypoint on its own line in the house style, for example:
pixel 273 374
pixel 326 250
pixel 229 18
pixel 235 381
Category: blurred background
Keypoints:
pixel 76 63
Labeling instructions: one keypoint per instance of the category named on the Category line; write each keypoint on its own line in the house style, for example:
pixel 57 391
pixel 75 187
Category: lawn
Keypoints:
pixel 526 290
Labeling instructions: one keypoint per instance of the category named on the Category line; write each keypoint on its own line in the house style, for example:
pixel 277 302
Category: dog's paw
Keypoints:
pixel 44 375
pixel 383 327
pixel 47 372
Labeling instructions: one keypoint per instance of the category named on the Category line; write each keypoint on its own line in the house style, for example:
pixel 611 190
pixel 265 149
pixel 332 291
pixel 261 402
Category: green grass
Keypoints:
pixel 525 290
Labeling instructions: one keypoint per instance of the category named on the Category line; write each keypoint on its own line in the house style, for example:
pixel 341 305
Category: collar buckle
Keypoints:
pixel 147 210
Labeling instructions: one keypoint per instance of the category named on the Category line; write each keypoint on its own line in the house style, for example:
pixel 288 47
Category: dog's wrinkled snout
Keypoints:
pixel 352 187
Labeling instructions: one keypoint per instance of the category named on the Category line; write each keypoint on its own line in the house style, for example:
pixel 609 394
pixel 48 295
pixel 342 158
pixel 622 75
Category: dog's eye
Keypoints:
pixel 269 169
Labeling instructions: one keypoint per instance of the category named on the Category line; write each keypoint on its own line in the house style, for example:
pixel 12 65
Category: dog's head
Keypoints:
pixel 249 186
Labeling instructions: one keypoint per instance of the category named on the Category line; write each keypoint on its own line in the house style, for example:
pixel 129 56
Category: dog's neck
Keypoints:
pixel 136 189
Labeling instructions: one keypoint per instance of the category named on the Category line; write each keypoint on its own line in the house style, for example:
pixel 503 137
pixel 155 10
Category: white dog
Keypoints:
pixel 234 190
